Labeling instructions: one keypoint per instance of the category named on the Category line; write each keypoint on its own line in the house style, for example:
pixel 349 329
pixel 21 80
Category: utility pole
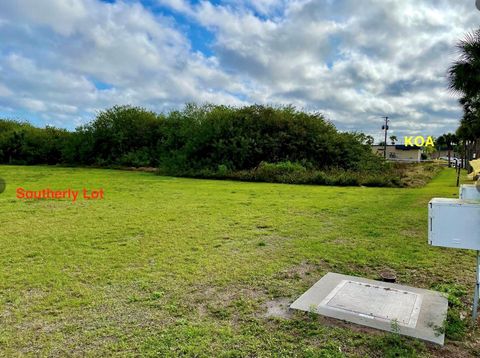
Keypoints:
pixel 385 128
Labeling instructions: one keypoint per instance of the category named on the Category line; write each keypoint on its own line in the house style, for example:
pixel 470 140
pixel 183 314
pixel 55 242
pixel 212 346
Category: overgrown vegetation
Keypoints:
pixel 254 143
pixel 416 175
pixel 296 173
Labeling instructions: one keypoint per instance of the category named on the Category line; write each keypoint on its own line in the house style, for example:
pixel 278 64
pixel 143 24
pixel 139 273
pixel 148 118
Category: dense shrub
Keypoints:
pixel 259 143
pixel 241 138
pixel 295 173
pixel 22 143
pixel 136 158
pixel 282 172
pixel 121 135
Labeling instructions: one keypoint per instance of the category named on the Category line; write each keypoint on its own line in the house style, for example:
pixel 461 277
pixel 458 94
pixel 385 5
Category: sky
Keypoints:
pixel 61 61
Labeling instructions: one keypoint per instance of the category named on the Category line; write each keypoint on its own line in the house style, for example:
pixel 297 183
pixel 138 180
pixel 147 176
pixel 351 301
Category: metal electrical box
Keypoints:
pixel 470 192
pixel 454 223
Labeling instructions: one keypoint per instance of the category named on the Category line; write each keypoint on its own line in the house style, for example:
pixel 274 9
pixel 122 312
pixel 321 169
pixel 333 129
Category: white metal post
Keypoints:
pixel 477 290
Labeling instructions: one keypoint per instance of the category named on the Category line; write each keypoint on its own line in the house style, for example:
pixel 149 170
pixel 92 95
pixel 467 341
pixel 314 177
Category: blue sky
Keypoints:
pixel 61 61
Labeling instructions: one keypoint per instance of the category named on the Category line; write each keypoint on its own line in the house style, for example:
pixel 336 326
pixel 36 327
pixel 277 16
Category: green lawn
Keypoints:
pixel 168 266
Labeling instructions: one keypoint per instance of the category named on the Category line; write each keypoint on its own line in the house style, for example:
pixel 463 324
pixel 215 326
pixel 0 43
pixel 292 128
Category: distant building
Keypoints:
pixel 444 154
pixel 399 152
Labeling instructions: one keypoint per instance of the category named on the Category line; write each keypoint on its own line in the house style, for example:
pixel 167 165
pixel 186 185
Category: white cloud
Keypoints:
pixel 4 91
pixel 61 15
pixel 353 60
pixel 53 57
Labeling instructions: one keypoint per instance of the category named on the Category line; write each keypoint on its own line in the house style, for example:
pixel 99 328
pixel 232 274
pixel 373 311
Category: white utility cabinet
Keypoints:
pixel 454 223
pixel 470 192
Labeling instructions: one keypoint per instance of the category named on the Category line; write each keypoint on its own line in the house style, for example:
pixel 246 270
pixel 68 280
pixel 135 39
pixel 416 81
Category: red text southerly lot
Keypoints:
pixel 49 194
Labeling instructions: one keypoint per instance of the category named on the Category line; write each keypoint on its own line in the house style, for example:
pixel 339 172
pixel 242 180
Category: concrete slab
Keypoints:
pixel 410 311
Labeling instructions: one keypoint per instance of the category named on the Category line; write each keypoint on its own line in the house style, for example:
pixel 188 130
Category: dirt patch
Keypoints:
pixel 141 169
pixel 419 278
pixel 279 308
pixel 412 232
pixel 227 302
pixel 454 351
pixel 354 269
pixel 303 270
pixel 341 242
pixel 273 241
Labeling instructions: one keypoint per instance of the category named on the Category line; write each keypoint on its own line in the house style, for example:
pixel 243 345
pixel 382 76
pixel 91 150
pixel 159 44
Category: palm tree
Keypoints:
pixel 447 140
pixel 393 138
pixel 464 75
pixel 464 78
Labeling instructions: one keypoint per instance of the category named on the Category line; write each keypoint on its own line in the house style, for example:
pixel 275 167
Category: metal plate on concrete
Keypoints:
pixel 374 301
pixel 406 310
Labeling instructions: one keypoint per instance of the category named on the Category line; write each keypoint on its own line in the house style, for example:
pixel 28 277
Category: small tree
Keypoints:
pixel 428 151
pixel 394 139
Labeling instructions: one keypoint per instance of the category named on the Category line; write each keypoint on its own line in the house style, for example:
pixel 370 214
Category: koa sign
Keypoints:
pixel 419 141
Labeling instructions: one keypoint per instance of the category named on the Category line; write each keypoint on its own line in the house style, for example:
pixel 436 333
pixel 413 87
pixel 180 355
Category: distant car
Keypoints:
pixel 453 160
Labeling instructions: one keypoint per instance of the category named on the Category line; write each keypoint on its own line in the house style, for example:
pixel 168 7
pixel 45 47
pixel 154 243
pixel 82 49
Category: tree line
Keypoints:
pixel 196 137
pixel 205 141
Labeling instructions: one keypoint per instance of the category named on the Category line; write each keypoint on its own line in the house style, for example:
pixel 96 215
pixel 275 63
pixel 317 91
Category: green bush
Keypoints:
pixel 256 143
pixel 295 173
pixel 201 137
pixel 282 172
pixel 136 158
pixel 343 178
pixel 378 180
pixel 222 170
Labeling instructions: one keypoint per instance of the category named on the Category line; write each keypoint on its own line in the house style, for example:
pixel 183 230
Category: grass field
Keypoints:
pixel 167 267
